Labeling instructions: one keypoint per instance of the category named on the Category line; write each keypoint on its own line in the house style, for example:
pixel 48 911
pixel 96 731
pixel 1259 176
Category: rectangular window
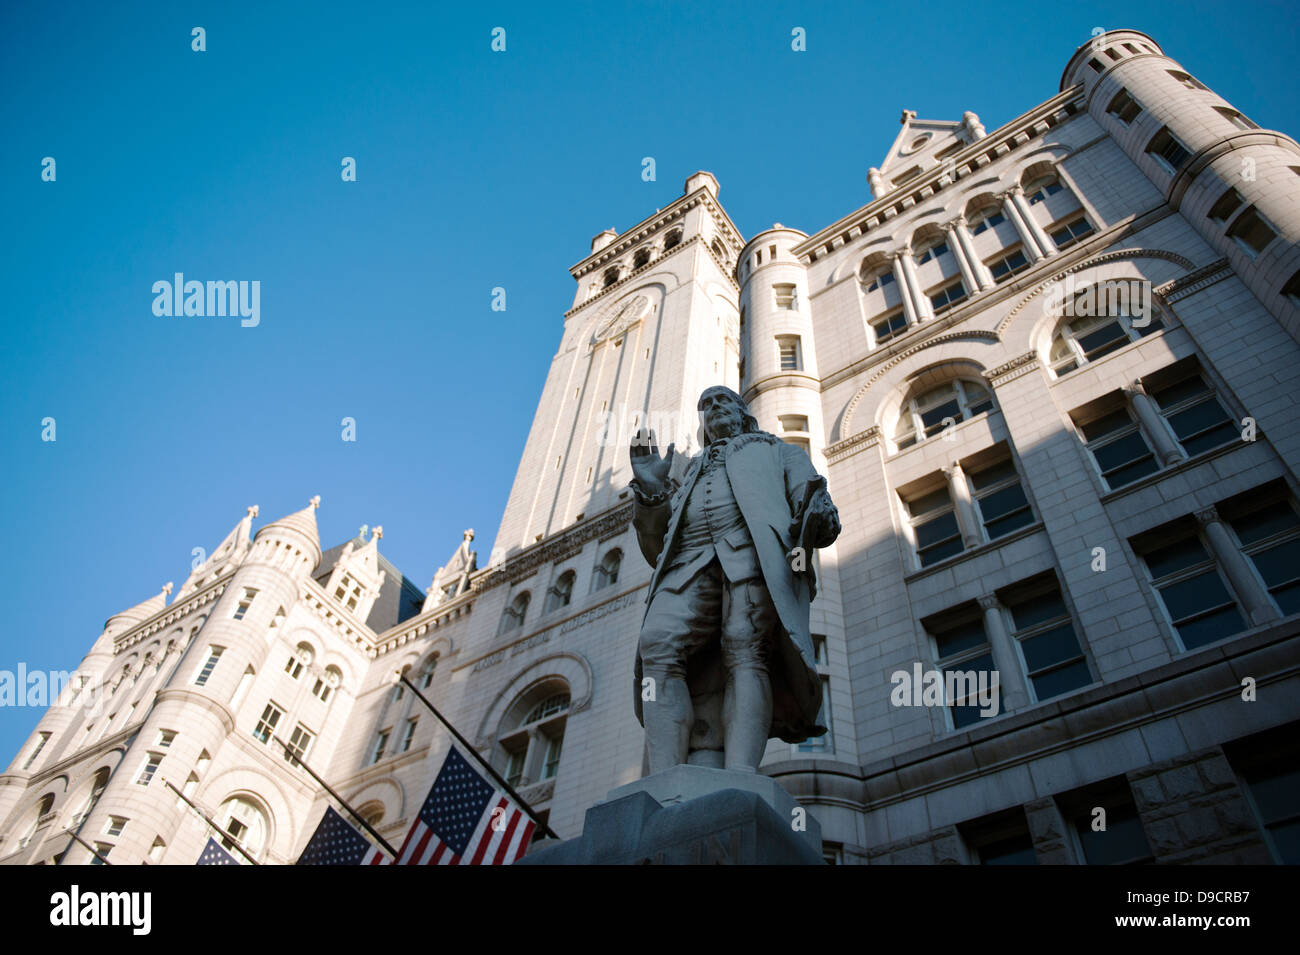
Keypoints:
pixel 265 727
pixel 1000 839
pixel 933 252
pixel 934 527
pixel 1165 148
pixel 788 348
pixel 881 280
pixel 551 763
pixel 114 826
pixel 890 324
pixel 1251 231
pixel 148 768
pixel 1007 264
pixel 515 767
pixel 1106 824
pixel 214 654
pixel 1270 536
pixel 1071 232
pixel 962 647
pixel 1269 765
pixel 102 849
pixel 1225 206
pixel 999 499
pixel 245 602
pixel 823 743
pixel 819 650
pixel 948 296
pixel 1124 107
pixel 793 422
pixel 36 750
pixel 381 742
pixel 1120 450
pixel 785 296
pixel 1195 415
pixel 409 736
pixel 1189 81
pixel 1232 116
pixel 299 743
pixel 1041 626
pixel 165 738
pixel 1200 606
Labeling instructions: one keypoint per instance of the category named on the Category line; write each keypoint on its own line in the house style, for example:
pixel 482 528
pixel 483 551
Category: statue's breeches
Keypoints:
pixel 677 625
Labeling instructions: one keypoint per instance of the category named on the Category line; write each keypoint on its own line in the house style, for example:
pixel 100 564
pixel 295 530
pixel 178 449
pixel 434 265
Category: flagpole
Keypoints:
pixel 339 799
pixel 510 790
pixel 234 842
pixel 87 845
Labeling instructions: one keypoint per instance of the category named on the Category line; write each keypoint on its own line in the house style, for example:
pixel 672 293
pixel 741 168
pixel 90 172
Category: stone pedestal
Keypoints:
pixel 692 815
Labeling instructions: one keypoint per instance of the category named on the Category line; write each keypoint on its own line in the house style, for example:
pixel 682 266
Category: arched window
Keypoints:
pixel 718 250
pixel 1098 320
pixel 876 272
pixel 1041 186
pixel 641 258
pixel 241 689
pixel 561 591
pixel 607 570
pixel 299 659
pixel 244 820
pixel 611 275
pixel 925 413
pixel 372 812
pixel 98 783
pixel 532 734
pixel 673 240
pixel 981 218
pixel 930 247
pixel 426 673
pixel 43 806
pixel 327 683
pixel 513 617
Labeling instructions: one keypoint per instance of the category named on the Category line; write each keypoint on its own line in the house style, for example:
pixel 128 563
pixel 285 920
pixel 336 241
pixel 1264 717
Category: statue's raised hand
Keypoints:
pixel 650 470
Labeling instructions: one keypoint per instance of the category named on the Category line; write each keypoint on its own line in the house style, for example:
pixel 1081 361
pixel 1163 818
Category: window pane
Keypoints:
pixel 939 529
pixel 1189 597
pixel 1046 649
pixel 1213 438
pixel 1176 556
pixel 968 636
pixel 1197 418
pixel 1265 522
pixel 1003 502
pixel 1017 850
pixel 1121 451
pixel 992 475
pixel 1103 341
pixel 1215 626
pixel 1105 425
pixel 1279 564
pixel 1180 391
pixel 933 419
pixel 1036 610
pixel 1122 841
pixel 1060 681
pixel 929 502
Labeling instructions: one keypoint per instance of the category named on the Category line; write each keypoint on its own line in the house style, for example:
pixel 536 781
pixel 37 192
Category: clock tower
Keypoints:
pixel 655 320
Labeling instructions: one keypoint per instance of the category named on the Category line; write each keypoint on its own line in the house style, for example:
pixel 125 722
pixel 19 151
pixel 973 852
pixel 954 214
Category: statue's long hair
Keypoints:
pixel 749 423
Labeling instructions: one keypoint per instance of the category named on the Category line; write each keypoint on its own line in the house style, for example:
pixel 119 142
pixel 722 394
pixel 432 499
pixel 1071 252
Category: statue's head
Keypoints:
pixel 723 414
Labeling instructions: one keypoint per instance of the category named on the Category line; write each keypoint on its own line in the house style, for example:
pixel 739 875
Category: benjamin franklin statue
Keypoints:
pixel 725 659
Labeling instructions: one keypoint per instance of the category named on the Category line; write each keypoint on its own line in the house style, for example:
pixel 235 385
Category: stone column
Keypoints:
pixel 533 758
pixel 967 241
pixel 905 290
pixel 1153 424
pixel 1040 235
pixel 920 304
pixel 963 263
pixel 967 521
pixel 1015 691
pixel 1245 584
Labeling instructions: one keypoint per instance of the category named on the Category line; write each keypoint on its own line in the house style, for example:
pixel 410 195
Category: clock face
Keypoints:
pixel 627 315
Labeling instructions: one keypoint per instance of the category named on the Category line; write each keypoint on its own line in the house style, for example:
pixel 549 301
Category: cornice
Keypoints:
pixel 169 615
pixel 840 450
pixel 557 548
pixel 1204 277
pixel 1013 369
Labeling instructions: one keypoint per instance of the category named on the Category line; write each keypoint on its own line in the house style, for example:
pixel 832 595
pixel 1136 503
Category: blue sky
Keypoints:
pixel 474 170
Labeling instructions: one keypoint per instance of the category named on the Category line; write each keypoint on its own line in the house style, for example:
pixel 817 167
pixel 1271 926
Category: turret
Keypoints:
pixel 1235 183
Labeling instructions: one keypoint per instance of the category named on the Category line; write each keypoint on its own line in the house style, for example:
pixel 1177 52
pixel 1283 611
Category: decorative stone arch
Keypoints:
pixel 1038 168
pixel 1023 326
pixel 924 232
pixel 867 404
pixel 332 658
pixel 247 782
pixel 569 666
pixel 388 792
pixel 873 263
pixel 980 201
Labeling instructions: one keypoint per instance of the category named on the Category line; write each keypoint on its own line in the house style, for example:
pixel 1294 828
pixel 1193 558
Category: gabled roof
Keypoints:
pixel 399 598
pixel 919 142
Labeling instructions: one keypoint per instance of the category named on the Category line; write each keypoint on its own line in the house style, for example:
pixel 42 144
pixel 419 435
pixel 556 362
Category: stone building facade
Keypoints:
pixel 1048 371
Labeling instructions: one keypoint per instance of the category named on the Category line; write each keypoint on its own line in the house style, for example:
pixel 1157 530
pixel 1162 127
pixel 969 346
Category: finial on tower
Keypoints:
pixel 907 114
pixel 469 534
pixel 315 502
pixel 252 510
pixel 378 533
pixel 167 587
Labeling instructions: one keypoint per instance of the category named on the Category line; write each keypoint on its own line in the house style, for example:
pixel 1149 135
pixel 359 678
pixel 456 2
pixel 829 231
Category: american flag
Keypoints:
pixel 337 843
pixel 465 821
pixel 213 854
